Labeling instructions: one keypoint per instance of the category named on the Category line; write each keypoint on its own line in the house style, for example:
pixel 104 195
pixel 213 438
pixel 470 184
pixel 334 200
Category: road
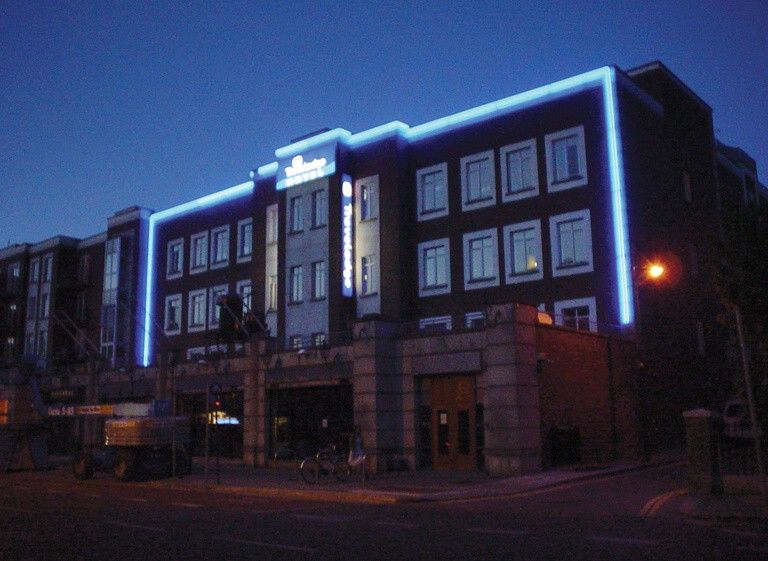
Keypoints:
pixel 630 516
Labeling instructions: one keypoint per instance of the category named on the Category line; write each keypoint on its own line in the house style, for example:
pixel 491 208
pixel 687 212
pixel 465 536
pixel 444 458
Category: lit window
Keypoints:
pixel 219 247
pixel 522 252
pixel 566 159
pixel 295 216
pixel 368 276
pixel 432 192
pixel 434 267
pixel 571 243
pixel 272 224
pixel 519 171
pixel 296 285
pixel 577 314
pixel 175 259
pixel 244 240
pixel 173 314
pixel 319 208
pixel 369 203
pixel 478 181
pixel 481 257
pixel 198 253
pixel 319 339
pixel 318 280
pixel 296 342
pixel 197 310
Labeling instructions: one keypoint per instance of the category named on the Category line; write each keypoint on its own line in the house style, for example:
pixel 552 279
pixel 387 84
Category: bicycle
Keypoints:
pixel 326 461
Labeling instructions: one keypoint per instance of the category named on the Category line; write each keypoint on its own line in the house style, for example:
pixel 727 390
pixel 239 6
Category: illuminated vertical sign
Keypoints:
pixel 346 236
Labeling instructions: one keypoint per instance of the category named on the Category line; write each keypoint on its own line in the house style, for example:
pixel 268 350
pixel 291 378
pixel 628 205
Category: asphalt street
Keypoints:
pixel 48 515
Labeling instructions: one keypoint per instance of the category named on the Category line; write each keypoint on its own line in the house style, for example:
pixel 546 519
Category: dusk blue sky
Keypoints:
pixel 106 105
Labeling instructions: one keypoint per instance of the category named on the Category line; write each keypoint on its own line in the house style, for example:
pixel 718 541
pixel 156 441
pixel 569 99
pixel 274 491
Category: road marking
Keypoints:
pixel 19 510
pixel 656 503
pixel 560 487
pixel 404 525
pixel 266 544
pixel 186 505
pixel 497 531
pixel 625 541
pixel 133 526
pixel 134 499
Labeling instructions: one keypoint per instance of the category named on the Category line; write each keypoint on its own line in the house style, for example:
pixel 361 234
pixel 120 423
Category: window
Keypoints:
pixel 198 254
pixel 436 324
pixel 14 277
pixel 369 282
pixel 522 252
pixel 474 320
pixel 219 247
pixel 686 181
pixel 296 285
pixel 571 238
pixel 175 259
pixel 432 192
pixel 197 310
pixel 577 314
pixel 214 310
pixel 272 224
pixel 295 342
pixel 172 314
pixel 319 208
pixel 434 267
pixel 566 159
pixel 32 306
pixel 47 268
pixel 244 290
pixel 319 339
pixel 244 240
pixel 369 201
pixel 295 218
pixel 318 280
pixel 478 181
pixel 34 271
pixel 44 305
pixel 481 257
pixel 519 171
pixel 272 293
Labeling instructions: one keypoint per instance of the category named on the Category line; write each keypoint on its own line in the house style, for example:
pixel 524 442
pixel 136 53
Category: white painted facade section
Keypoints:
pixel 270 267
pixel 367 243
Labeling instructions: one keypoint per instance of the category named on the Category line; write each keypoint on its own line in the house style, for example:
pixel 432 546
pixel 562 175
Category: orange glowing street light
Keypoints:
pixel 655 271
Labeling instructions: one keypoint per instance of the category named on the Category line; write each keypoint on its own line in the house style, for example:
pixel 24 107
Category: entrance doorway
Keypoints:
pixel 452 400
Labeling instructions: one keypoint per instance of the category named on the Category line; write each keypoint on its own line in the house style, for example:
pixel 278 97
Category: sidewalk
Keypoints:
pixel 741 500
pixel 391 488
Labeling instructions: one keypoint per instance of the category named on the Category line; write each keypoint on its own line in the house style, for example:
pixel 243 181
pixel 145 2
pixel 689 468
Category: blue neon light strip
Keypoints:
pixel 602 77
pixel 202 203
pixel 267 169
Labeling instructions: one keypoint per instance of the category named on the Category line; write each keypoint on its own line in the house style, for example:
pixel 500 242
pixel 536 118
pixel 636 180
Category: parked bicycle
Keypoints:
pixel 327 461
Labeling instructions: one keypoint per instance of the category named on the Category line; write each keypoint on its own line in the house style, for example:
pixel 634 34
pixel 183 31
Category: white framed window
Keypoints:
pixel 272 293
pixel 245 291
pixel 319 339
pixel 481 259
pixel 474 320
pixel 197 311
pixel 440 323
pixel 174 261
pixel 47 268
pixel 522 252
pixel 478 181
pixel 296 285
pixel 295 342
pixel 369 276
pixel 220 247
pixel 172 322
pixel 195 353
pixel 244 240
pixel 434 267
pixel 432 192
pixel 198 253
pixel 519 171
pixel 295 215
pixel 571 238
pixel 319 208
pixel 34 270
pixel 319 281
pixel 580 313
pixel 369 200
pixel 214 310
pixel 272 224
pixel 45 304
pixel 566 159
pixel 14 277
